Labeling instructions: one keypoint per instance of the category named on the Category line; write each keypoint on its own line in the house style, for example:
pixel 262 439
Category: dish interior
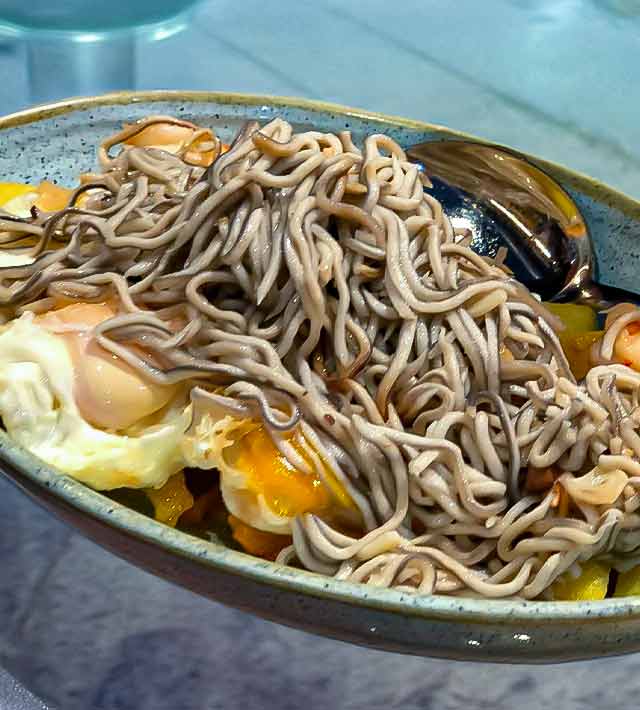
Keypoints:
pixel 58 147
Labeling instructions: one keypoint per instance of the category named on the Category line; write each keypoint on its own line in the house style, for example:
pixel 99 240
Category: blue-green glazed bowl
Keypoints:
pixel 58 141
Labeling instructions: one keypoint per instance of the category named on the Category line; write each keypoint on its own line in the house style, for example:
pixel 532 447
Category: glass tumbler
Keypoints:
pixel 80 47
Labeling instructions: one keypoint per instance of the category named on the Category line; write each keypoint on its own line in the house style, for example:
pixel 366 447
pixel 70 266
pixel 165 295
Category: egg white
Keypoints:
pixel 12 258
pixel 204 447
pixel 39 412
pixel 20 206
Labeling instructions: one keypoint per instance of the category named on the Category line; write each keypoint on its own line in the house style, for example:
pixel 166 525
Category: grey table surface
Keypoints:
pixel 84 630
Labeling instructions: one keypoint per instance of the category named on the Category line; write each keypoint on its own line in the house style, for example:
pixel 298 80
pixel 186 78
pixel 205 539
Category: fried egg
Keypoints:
pixel 17 199
pixel 175 138
pixel 73 404
pixel 259 485
pixel 84 411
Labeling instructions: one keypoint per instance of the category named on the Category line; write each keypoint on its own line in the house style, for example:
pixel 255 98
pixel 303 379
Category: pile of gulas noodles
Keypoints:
pixel 320 289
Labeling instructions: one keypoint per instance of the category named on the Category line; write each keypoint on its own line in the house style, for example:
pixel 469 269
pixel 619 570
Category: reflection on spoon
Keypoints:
pixel 502 199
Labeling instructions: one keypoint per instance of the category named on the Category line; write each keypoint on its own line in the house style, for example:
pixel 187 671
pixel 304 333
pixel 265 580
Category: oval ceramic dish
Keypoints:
pixel 56 142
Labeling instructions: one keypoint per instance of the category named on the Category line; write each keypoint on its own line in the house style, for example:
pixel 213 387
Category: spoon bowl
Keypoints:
pixel 500 199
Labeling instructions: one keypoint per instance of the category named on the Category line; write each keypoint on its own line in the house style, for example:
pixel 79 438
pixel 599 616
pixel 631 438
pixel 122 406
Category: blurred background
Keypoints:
pixel 559 78
pixel 556 77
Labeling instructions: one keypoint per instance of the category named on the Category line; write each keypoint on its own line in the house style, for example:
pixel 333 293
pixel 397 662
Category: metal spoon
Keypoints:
pixel 502 199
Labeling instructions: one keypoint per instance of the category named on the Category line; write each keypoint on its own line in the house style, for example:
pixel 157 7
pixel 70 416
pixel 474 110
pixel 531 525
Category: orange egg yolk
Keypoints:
pixel 287 491
pixel 161 134
pixel 627 346
pixel 257 542
pixel 109 393
pixel 52 198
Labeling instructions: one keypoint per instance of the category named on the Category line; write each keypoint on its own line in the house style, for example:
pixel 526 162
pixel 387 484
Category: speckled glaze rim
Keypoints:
pixel 587 184
pixel 214 555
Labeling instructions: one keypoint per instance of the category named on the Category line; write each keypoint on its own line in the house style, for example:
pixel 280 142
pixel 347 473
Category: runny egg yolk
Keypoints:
pixel 109 393
pixel 286 491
